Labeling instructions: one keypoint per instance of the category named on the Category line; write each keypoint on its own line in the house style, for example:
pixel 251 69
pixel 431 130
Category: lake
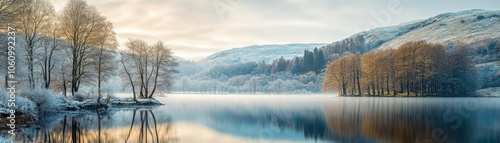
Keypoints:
pixel 189 118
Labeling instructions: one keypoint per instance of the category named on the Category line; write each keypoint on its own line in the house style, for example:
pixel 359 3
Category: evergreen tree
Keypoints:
pixel 319 60
pixel 295 66
pixel 279 65
pixel 308 61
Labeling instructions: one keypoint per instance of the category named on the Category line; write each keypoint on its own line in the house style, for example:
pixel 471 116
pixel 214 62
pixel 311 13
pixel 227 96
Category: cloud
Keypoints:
pixel 196 29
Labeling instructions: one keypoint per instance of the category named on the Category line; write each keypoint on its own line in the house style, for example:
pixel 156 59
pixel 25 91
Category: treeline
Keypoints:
pixel 414 69
pixel 297 75
pixel 76 48
pixel 278 83
pixel 311 61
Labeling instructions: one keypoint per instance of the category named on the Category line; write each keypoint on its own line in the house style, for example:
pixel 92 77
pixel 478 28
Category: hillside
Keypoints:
pixel 466 27
pixel 471 28
pixel 257 53
pixel 476 30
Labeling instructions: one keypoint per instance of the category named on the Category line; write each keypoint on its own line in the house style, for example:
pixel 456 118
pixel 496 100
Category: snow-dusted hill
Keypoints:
pixel 465 27
pixel 257 53
pixel 479 27
pixel 476 30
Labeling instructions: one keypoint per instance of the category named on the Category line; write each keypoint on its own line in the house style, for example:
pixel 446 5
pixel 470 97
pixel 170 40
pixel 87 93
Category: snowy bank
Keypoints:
pixel 489 92
pixel 129 102
pixel 31 105
pixel 92 104
pixel 5 140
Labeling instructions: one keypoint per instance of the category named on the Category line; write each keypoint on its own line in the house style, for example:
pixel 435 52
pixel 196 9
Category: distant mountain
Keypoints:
pixel 478 28
pixel 257 53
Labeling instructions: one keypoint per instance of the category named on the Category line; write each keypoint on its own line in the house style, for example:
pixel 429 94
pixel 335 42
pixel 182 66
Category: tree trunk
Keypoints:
pixel 359 85
pixel 130 78
pixel 99 72
pixel 6 79
pixel 64 84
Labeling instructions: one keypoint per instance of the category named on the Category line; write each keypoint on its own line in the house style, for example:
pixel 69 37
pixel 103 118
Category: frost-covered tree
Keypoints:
pixel 148 68
pixel 185 82
pixel 81 26
pixel 277 86
pixel 238 81
pixel 253 83
pixel 34 17
pixel 50 50
pixel 105 56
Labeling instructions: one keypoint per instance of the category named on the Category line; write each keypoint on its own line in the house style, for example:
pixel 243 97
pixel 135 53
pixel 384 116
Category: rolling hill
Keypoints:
pixel 257 53
pixel 476 29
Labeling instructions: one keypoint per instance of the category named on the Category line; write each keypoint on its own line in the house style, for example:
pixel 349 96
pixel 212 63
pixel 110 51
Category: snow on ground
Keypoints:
pixel 4 140
pixel 489 92
pixel 465 26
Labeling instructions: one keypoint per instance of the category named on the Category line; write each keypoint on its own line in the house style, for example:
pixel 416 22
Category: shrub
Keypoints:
pixel 79 97
pixel 23 104
pixel 46 100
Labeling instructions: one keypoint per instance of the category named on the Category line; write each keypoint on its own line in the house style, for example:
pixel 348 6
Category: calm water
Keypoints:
pixel 279 118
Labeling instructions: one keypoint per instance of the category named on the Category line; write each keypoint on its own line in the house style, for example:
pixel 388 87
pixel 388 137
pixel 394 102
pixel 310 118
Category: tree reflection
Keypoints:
pixel 389 120
pixel 146 128
pixel 100 127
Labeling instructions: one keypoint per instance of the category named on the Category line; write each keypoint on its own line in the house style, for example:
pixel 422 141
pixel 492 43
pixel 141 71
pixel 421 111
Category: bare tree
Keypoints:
pixel 34 17
pixel 185 81
pixel 80 26
pixel 253 83
pixel 337 76
pixel 105 56
pixel 51 44
pixel 128 74
pixel 9 9
pixel 149 68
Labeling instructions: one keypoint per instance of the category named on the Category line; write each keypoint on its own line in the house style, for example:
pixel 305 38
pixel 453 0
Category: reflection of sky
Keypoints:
pixel 253 119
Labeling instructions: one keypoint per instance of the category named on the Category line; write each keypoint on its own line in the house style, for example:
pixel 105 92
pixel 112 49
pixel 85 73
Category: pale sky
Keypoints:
pixel 194 29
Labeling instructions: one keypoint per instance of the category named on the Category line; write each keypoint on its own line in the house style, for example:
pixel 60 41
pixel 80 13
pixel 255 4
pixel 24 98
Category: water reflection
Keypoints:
pixel 411 120
pixel 398 120
pixel 96 127
pixel 144 128
pixel 324 119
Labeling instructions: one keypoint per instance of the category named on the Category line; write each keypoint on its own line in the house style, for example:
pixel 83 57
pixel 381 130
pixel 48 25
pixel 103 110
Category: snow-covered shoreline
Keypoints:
pixel 31 111
pixel 489 92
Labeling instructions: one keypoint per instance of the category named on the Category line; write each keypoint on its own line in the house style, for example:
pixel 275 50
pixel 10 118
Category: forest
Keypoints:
pixel 413 69
pixel 302 74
